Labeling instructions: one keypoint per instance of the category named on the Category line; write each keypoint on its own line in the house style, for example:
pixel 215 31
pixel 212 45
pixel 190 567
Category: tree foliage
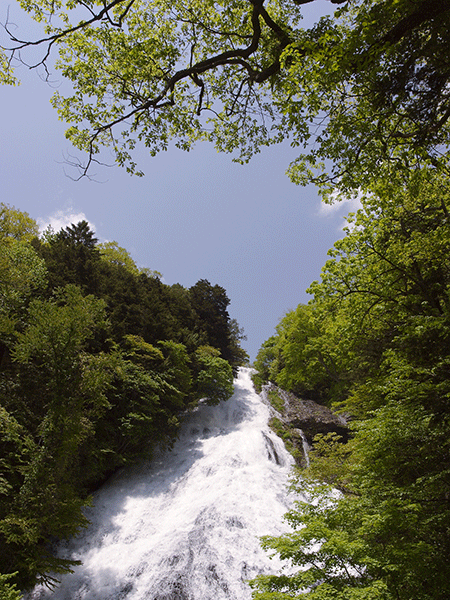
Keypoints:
pixel 369 81
pixel 63 390
pixel 8 591
pixel 116 255
pixel 381 310
pixel 16 225
pixel 215 376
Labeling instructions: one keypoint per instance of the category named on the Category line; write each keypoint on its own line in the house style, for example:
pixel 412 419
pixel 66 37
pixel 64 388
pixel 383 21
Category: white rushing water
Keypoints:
pixel 186 526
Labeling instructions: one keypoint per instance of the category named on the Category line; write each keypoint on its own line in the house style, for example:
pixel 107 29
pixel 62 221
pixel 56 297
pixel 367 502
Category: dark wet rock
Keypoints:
pixel 298 421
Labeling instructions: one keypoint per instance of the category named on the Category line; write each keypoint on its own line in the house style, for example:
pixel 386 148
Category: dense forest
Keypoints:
pixel 98 362
pixel 374 343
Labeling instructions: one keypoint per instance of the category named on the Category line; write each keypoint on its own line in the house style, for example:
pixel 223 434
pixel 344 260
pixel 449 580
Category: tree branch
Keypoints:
pixel 52 39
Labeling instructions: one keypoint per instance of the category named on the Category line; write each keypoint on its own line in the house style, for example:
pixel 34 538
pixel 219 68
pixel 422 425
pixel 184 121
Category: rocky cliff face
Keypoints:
pixel 298 421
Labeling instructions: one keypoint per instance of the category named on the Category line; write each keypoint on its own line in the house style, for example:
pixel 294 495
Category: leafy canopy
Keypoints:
pixel 368 82
pixel 16 225
pixel 380 315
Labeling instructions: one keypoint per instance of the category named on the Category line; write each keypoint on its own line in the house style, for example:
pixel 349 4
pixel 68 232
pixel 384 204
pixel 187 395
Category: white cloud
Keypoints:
pixel 63 218
pixel 340 207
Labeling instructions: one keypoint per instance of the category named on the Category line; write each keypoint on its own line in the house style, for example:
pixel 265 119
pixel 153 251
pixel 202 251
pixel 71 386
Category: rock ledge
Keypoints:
pixel 302 419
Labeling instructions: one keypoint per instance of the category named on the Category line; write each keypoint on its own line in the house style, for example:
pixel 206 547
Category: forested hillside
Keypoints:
pixel 374 342
pixel 99 360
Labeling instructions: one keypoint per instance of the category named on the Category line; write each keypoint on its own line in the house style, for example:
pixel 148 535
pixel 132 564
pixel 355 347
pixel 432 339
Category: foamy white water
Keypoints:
pixel 186 526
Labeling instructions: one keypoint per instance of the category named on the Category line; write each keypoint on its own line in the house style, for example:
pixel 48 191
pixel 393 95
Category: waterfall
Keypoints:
pixel 186 525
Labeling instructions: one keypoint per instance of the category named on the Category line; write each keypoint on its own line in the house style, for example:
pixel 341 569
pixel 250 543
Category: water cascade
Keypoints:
pixel 186 525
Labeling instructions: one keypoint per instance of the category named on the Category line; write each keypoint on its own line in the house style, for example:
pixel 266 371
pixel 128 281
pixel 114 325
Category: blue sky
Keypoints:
pixel 193 216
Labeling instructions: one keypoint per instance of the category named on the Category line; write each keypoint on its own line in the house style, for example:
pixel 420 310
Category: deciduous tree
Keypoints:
pixel 367 84
pixel 386 291
pixel 16 225
pixel 214 382
pixel 62 389
pixel 116 255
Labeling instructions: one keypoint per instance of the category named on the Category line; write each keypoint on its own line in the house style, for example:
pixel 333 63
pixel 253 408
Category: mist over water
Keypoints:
pixel 186 526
